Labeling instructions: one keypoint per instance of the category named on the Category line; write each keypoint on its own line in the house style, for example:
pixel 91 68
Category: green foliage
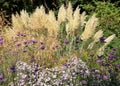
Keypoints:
pixel 109 17
pixel 11 6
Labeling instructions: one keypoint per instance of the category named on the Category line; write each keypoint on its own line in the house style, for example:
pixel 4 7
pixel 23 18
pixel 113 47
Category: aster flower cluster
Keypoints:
pixel 35 75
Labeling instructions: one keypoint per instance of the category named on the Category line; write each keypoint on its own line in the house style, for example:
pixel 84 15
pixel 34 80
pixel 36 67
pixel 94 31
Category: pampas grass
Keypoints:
pixel 51 41
pixel 45 27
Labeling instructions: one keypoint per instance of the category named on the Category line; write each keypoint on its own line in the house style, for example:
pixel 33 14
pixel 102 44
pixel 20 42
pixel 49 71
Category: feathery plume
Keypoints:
pixel 9 34
pixel 17 23
pixel 108 40
pixel 69 12
pixel 73 22
pixel 38 19
pixel 89 28
pixel 95 38
pixel 97 35
pixel 62 14
pixel 100 51
pixel 82 18
pixel 52 25
pixel 76 18
pixel 24 16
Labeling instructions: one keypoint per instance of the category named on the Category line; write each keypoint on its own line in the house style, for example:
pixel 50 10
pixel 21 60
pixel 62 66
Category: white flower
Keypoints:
pixel 47 79
pixel 54 76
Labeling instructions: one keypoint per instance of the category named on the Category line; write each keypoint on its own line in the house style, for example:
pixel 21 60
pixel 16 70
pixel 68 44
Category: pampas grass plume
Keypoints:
pixel 69 12
pixel 107 41
pixel 96 38
pixel 62 14
pixel 97 35
pixel 17 23
pixel 38 19
pixel 52 25
pixel 82 18
pixel 24 16
pixel 89 28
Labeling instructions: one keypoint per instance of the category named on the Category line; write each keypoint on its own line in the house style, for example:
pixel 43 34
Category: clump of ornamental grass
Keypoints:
pixel 48 40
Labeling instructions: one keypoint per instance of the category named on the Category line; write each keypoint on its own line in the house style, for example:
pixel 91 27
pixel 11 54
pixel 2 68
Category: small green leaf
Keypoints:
pixel 6 4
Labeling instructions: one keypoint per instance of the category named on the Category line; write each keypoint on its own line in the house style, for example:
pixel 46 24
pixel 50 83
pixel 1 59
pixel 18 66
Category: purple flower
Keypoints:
pixel 55 47
pixel 66 41
pixel 99 61
pixel 33 41
pixel 1 76
pixel 25 42
pixel 66 65
pixel 105 64
pixel 117 65
pixel 23 35
pixel 84 82
pixel 41 43
pixel 105 77
pixel 1 40
pixel 91 55
pixel 36 69
pixel 114 49
pixel 4 80
pixel 18 44
pixel 99 76
pixel 42 47
pixel 111 55
pixel 24 51
pixel 13 69
pixel 109 70
pixel 102 39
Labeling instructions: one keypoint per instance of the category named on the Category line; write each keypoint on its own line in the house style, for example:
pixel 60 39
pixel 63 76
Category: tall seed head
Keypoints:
pixel 89 28
pixel 69 12
pixel 52 25
pixel 108 40
pixel 97 35
pixel 62 14
pixel 82 19
pixel 38 19
pixel 24 17
pixel 73 22
pixel 76 18
pixel 96 38
pixel 17 23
